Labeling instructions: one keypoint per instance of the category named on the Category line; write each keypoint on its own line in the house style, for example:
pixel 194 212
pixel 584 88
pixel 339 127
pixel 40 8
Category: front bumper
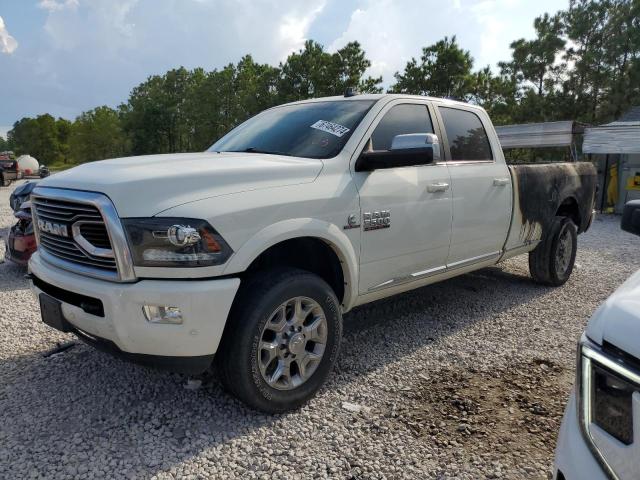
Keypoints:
pixel 574 459
pixel 205 306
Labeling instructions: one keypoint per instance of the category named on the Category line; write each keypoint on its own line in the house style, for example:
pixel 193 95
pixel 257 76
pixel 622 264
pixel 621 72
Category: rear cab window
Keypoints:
pixel 466 136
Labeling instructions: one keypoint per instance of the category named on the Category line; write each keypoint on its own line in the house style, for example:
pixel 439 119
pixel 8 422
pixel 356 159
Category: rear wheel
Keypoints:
pixel 552 261
pixel 282 340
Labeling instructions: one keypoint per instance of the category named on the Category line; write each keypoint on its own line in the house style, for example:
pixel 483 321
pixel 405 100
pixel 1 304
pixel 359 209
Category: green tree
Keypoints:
pixel 622 59
pixel 444 70
pixel 497 94
pixel 583 64
pixel 96 135
pixel 39 137
pixel 63 128
pixel 313 72
pixel 534 61
pixel 221 99
pixel 535 69
pixel 155 115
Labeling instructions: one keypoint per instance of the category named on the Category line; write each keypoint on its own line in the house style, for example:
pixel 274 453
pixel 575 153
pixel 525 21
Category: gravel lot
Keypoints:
pixel 464 379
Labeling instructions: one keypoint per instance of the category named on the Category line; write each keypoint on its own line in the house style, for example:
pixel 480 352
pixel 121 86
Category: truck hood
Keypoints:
pixel 617 320
pixel 145 186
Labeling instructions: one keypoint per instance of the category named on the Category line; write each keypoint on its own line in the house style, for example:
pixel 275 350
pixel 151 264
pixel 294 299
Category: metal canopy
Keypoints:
pixel 539 135
pixel 615 137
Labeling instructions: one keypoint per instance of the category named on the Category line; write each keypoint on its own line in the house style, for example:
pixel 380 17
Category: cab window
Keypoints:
pixel 400 120
pixel 467 137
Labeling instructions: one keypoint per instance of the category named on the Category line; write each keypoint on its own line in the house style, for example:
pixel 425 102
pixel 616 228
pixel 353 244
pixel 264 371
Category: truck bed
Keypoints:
pixel 541 190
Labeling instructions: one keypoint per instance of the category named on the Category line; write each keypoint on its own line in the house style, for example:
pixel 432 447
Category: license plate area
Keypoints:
pixel 51 311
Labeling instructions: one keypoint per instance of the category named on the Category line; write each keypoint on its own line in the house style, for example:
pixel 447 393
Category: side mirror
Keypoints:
pixel 631 217
pixel 406 151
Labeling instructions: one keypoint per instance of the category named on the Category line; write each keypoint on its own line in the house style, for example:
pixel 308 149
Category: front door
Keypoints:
pixel 406 210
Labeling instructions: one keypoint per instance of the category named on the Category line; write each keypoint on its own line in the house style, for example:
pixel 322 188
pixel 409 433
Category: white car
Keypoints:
pixel 252 251
pixel 600 433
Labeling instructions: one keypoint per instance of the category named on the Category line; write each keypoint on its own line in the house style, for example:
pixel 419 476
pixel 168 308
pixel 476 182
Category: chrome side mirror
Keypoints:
pixel 418 140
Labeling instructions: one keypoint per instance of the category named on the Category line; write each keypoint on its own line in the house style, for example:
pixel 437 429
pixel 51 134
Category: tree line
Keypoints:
pixel 583 64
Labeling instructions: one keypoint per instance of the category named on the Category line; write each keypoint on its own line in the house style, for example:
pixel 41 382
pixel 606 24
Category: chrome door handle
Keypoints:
pixel 500 182
pixel 438 187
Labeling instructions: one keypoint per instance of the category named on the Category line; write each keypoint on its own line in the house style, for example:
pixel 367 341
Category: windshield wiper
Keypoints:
pixel 257 150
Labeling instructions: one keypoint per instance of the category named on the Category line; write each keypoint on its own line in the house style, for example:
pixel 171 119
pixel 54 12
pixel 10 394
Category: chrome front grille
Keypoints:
pixel 61 211
pixel 60 217
pixel 81 232
pixel 69 250
pixel 96 234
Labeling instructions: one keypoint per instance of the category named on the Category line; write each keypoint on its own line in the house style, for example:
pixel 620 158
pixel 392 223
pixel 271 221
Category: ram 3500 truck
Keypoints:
pixel 252 251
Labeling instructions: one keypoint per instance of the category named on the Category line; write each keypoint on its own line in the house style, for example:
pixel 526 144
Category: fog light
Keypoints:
pixel 162 314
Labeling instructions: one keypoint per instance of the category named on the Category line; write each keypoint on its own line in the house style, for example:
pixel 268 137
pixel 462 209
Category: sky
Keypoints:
pixel 67 56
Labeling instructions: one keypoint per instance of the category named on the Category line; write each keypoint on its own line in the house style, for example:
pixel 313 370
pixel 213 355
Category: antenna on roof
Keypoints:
pixel 351 92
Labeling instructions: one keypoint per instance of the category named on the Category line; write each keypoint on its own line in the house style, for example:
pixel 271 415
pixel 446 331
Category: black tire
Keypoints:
pixel 3 182
pixel 550 263
pixel 237 358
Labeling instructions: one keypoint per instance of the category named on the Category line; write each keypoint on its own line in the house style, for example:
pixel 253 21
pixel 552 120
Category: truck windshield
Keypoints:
pixel 311 130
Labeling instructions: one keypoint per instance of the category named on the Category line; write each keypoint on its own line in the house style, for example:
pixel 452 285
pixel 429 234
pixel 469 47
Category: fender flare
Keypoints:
pixel 278 232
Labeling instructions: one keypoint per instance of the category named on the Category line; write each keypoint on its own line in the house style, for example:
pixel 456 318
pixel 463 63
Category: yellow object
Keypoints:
pixel 612 189
pixel 633 183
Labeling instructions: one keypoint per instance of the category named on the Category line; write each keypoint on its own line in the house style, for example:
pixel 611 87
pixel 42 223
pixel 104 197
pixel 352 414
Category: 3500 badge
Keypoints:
pixel 377 220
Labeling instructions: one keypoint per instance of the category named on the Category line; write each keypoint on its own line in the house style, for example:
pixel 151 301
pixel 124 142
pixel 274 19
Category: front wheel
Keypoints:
pixel 282 340
pixel 552 261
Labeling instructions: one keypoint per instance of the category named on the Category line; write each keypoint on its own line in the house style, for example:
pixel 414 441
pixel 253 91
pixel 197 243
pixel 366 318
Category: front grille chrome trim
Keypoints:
pixel 84 243
pixel 119 252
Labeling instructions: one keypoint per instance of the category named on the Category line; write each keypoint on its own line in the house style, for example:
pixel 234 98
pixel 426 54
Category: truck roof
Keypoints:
pixel 380 96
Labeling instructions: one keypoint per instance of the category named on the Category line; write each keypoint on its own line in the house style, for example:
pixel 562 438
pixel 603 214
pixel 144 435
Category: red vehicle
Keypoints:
pixel 9 170
pixel 21 242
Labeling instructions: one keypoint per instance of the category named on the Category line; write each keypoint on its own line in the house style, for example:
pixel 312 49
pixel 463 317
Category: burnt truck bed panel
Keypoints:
pixel 542 190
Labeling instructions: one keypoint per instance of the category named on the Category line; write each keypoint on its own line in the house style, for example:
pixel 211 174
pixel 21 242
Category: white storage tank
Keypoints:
pixel 28 165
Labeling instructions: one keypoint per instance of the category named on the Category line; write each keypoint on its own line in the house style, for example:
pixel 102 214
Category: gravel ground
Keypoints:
pixel 464 379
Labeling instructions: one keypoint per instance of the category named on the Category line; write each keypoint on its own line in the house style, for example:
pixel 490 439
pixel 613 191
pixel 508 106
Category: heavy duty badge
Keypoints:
pixel 377 220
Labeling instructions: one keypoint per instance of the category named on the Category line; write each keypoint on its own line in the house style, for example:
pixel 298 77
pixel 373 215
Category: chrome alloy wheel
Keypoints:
pixel 564 251
pixel 292 343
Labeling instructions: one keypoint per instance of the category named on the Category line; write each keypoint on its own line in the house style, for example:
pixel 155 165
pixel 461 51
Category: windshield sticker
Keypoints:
pixel 329 127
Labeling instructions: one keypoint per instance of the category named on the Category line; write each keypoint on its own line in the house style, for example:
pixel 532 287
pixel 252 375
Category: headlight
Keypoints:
pixel 605 388
pixel 174 242
pixel 612 404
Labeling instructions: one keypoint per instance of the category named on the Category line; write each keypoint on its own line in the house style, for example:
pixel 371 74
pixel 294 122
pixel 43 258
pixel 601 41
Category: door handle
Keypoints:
pixel 500 182
pixel 438 187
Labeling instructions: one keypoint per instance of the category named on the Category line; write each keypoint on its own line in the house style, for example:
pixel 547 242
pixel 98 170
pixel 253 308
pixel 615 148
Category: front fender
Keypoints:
pixel 297 228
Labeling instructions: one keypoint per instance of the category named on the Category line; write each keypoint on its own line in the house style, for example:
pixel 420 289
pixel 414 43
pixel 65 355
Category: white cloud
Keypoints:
pixel 294 27
pixel 4 130
pixel 394 31
pixel 56 5
pixel 7 43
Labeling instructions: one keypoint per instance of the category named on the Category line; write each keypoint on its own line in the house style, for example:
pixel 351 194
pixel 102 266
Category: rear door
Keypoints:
pixel 406 210
pixel 481 186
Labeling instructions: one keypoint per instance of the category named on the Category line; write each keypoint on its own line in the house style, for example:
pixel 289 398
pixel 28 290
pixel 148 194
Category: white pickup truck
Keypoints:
pixel 252 251
pixel 598 438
